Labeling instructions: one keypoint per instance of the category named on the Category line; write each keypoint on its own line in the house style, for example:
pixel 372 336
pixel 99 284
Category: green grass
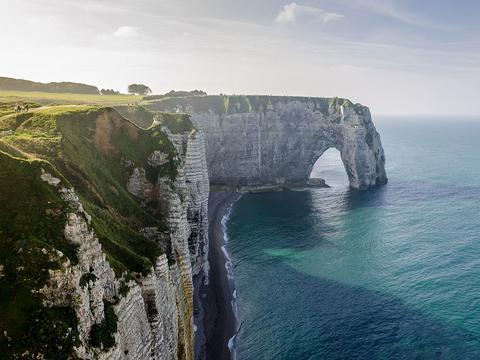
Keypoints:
pixel 46 98
pixel 136 114
pixel 32 220
pixel 7 108
pixel 176 123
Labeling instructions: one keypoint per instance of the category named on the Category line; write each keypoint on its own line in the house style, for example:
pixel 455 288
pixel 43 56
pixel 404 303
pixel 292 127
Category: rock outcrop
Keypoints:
pixel 257 141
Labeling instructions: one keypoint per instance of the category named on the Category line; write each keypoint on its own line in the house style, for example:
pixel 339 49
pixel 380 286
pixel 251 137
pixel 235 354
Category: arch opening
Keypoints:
pixel 329 167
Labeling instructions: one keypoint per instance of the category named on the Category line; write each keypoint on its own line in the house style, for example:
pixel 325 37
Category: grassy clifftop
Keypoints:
pixel 232 104
pixel 8 99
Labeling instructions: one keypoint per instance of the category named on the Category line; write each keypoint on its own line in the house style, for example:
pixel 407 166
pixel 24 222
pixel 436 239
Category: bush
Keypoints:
pixel 109 92
pixel 103 334
pixel 86 278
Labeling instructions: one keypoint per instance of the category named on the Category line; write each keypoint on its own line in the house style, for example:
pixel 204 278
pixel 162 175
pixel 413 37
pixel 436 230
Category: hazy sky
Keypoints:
pixel 396 56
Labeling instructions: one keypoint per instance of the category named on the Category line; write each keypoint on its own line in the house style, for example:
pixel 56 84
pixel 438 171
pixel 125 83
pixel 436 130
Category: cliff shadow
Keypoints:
pixel 298 316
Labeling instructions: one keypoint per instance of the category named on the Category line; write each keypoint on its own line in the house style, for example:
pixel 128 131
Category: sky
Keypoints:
pixel 395 56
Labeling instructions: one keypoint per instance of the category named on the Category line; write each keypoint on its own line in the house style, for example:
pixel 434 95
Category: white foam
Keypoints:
pixel 232 346
pixel 231 280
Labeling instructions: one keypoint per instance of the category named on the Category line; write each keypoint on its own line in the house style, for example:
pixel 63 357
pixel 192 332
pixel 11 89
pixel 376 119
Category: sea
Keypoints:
pixel 388 273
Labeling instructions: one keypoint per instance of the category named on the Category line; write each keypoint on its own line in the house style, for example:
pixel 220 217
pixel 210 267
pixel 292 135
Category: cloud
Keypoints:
pixel 390 9
pixel 292 12
pixel 126 32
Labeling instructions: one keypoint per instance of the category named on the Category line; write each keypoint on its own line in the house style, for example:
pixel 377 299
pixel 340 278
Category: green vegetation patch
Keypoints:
pixel 96 150
pixel 176 123
pixel 103 335
pixel 233 104
pixel 8 107
pixel 32 221
pixel 176 94
pixel 86 278
pixel 198 104
pixel 136 114
pixel 50 99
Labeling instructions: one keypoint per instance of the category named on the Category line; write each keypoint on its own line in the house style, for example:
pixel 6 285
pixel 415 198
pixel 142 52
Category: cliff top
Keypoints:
pixel 231 104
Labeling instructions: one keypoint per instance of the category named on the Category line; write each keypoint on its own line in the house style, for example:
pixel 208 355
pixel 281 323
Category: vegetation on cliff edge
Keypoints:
pixel 95 149
pixel 32 220
pixel 237 104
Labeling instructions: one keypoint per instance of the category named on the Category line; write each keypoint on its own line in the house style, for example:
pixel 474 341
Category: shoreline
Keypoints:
pixel 312 183
pixel 215 299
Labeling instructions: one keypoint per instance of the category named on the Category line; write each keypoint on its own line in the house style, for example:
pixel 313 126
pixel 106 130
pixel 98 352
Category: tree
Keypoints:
pixel 109 92
pixel 139 89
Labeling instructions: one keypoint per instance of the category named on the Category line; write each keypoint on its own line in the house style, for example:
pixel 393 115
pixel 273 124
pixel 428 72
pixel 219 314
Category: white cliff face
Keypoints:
pixel 188 223
pixel 280 146
pixel 267 141
pixel 196 178
pixel 155 312
pixel 168 291
pixel 191 147
pixel 134 338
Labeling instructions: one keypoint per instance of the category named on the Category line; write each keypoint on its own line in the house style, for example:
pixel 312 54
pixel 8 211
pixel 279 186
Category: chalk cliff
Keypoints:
pixel 118 257
pixel 264 141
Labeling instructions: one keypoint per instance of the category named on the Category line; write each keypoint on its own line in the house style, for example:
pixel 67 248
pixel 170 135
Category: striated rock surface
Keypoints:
pixel 259 141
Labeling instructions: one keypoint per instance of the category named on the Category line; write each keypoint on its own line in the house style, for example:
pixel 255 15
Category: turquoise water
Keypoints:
pixel 392 273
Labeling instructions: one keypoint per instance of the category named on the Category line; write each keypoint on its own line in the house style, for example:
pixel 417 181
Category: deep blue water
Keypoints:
pixel 391 273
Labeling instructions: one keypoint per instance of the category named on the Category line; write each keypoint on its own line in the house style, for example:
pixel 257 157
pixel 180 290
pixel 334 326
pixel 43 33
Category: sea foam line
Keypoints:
pixel 231 280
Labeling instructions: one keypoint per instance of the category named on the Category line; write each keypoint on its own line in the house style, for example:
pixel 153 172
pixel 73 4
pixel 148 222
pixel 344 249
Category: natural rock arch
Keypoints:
pixel 275 141
pixel 329 169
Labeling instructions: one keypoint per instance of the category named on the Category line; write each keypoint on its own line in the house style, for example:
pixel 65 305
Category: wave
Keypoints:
pixel 231 279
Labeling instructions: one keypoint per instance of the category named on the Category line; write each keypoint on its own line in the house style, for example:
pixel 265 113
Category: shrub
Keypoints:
pixel 103 334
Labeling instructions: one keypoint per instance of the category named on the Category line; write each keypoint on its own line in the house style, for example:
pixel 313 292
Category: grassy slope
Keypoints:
pixel 142 117
pixel 45 98
pixel 136 114
pixel 90 146
pixel 32 219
